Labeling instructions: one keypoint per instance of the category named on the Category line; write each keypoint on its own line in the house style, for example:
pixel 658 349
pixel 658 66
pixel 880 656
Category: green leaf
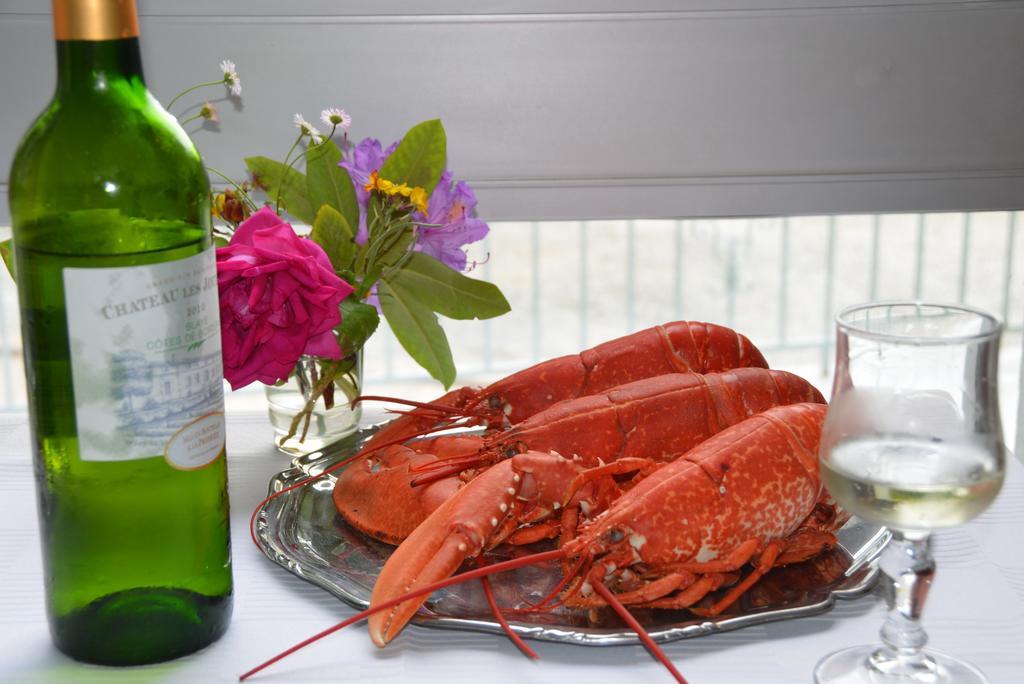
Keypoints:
pixel 7 254
pixel 448 292
pixel 332 232
pixel 276 180
pixel 417 329
pixel 328 183
pixel 420 158
pixel 219 241
pixel 358 322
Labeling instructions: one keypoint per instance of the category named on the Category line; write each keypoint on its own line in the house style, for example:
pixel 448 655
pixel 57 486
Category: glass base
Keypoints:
pixel 326 426
pixel 873 664
pixel 295 447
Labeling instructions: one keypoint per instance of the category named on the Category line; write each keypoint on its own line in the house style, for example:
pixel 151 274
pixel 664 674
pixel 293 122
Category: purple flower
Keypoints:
pixel 451 209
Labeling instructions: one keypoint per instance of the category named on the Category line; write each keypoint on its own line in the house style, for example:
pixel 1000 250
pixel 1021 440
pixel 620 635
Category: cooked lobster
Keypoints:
pixel 677 347
pixel 389 493
pixel 741 496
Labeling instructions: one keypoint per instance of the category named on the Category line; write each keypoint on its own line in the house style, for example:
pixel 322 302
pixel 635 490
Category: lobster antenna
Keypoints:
pixel 440 408
pixel 416 593
pixel 406 412
pixel 655 650
pixel 402 440
pixel 496 611
pixel 439 473
pixel 445 462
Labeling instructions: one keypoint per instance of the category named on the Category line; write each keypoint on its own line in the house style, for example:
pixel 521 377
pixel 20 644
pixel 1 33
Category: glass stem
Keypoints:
pixel 910 568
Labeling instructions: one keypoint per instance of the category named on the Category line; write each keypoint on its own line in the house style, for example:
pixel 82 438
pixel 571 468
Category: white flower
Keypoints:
pixel 209 111
pixel 309 129
pixel 231 79
pixel 336 117
pixel 304 126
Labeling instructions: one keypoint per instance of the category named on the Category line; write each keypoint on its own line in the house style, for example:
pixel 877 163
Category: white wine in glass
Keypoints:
pixel 912 441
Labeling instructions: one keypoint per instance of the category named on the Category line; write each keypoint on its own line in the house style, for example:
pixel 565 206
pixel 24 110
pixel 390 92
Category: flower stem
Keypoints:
pixel 313 375
pixel 398 265
pixel 330 370
pixel 375 236
pixel 296 160
pixel 284 176
pixel 381 246
pixel 186 91
pixel 241 191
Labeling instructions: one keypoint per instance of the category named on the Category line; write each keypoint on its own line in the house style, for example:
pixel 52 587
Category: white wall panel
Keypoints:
pixel 575 109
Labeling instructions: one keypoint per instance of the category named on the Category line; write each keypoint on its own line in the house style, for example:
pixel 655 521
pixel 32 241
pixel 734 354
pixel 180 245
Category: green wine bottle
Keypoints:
pixel 118 291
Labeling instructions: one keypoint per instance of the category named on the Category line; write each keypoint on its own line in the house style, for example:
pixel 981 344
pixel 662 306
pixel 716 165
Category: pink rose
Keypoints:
pixel 279 299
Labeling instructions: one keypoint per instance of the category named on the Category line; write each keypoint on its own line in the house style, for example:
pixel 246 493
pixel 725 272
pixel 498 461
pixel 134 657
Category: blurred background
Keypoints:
pixel 751 163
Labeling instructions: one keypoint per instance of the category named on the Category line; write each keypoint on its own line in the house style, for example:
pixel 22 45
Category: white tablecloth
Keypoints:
pixel 976 609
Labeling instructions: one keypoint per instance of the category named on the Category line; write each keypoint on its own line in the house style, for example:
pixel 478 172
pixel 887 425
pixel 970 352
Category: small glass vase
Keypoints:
pixel 332 417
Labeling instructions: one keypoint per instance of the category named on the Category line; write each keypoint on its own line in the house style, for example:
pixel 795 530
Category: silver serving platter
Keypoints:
pixel 302 532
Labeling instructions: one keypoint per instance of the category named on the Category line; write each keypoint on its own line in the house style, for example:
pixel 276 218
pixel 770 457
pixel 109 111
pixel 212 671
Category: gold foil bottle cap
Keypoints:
pixel 94 19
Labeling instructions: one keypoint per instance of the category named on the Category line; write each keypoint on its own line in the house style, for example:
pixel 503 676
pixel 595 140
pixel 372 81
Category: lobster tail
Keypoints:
pixel 677 347
pixel 707 348
pixel 660 417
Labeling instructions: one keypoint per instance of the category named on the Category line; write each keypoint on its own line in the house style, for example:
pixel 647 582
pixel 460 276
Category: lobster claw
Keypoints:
pixel 527 488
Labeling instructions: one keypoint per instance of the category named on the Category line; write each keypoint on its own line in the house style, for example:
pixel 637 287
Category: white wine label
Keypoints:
pixel 146 361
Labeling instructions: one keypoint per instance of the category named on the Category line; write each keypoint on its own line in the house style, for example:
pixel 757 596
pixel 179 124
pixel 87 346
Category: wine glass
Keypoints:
pixel 912 441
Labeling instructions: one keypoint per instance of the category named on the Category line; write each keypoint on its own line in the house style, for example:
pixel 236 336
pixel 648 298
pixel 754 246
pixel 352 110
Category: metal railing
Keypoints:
pixel 777 280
